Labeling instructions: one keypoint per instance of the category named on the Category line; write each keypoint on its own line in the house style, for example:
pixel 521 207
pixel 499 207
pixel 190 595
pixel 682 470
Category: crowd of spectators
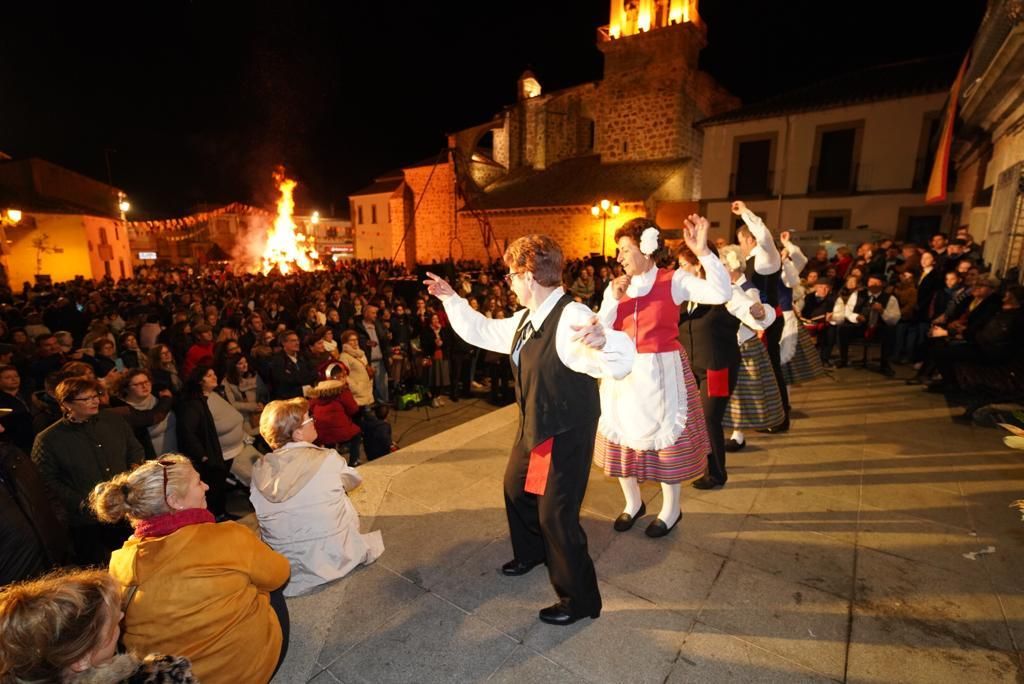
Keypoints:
pixel 935 307
pixel 99 382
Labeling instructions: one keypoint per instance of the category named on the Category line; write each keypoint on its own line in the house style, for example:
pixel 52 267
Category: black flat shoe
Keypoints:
pixel 777 429
pixel 515 568
pixel 707 483
pixel 660 529
pixel 625 521
pixel 560 616
pixel 733 445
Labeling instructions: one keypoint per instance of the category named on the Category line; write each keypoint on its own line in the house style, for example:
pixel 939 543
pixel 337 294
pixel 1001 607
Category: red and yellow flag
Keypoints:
pixel 937 181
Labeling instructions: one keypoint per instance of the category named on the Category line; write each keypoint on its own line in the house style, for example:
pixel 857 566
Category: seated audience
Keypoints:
pixel 65 627
pixel 298 491
pixel 211 592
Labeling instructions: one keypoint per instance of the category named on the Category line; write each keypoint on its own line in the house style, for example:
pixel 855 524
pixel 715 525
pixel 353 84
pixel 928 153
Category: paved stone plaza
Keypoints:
pixel 836 552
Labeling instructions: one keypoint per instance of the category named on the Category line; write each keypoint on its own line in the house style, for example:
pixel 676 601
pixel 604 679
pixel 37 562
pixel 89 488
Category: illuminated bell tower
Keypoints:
pixel 652 90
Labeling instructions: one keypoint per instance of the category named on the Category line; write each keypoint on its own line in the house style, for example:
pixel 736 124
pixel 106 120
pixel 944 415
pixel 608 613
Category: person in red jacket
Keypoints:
pixel 201 350
pixel 333 408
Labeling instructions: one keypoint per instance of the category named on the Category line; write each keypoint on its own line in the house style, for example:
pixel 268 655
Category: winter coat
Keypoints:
pixel 75 457
pixel 222 568
pixel 127 669
pixel 197 433
pixel 32 538
pixel 298 492
pixel 332 417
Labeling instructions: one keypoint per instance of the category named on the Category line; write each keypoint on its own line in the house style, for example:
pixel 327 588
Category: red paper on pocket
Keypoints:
pixel 540 464
pixel 718 382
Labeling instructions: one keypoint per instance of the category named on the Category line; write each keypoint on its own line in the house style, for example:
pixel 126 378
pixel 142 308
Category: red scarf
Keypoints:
pixel 166 523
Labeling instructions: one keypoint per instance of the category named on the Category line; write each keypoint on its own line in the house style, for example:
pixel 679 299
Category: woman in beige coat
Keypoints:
pixel 359 379
pixel 298 491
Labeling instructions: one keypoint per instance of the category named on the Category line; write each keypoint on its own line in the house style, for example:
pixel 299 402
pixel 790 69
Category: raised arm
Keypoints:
pixel 487 333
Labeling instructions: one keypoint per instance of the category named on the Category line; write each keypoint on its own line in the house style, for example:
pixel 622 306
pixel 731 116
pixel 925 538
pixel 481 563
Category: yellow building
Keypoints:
pixel 67 225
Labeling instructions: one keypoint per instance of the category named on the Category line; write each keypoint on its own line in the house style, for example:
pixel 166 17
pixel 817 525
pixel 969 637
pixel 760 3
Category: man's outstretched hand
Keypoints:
pixel 438 286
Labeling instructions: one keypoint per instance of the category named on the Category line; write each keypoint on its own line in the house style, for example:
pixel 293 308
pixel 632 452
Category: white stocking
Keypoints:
pixel 737 435
pixel 631 490
pixel 669 503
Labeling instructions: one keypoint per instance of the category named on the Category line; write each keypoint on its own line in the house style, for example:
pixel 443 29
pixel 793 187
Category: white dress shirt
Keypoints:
pixel 766 257
pixel 615 360
pixel 891 314
pixel 739 306
pixel 686 287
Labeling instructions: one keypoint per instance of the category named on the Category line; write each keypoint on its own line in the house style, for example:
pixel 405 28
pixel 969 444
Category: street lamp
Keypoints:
pixel 12 216
pixel 315 218
pixel 603 210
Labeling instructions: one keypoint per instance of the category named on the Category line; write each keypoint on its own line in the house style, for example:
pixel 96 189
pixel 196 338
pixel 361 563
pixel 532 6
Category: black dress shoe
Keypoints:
pixel 625 521
pixel 733 445
pixel 515 568
pixel 559 615
pixel 660 529
pixel 777 429
pixel 707 483
pixel 916 380
pixel 887 371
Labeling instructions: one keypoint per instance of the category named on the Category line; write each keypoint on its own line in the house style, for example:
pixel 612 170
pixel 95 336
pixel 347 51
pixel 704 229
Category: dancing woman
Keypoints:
pixel 652 423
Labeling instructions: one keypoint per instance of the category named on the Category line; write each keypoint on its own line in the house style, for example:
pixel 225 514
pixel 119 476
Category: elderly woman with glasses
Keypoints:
pixel 298 491
pixel 83 448
pixel 193 587
pixel 150 416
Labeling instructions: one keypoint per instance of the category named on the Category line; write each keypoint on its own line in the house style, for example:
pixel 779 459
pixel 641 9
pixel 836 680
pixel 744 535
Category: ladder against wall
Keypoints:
pixel 1006 222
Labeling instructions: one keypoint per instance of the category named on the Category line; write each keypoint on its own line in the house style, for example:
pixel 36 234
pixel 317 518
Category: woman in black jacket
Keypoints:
pixel 197 435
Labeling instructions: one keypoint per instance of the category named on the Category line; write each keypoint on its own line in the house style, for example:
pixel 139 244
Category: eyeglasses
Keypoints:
pixel 164 465
pixel 140 384
pixel 510 276
pixel 92 397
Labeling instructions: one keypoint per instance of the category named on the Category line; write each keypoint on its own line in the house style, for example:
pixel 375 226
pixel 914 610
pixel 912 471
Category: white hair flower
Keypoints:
pixel 649 241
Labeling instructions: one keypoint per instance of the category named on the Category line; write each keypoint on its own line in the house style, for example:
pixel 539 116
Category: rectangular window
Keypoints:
pixel 829 220
pixel 359 211
pixel 836 152
pixel 753 175
pixel 373 214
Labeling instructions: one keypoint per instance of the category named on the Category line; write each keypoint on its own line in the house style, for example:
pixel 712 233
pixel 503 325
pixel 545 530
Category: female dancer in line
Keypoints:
pixel 755 403
pixel 652 422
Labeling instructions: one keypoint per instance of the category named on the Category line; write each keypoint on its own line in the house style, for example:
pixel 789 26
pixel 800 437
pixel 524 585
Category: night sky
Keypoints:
pixel 198 103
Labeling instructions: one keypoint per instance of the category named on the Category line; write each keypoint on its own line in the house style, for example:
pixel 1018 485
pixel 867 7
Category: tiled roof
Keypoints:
pixel 378 187
pixel 579 181
pixel 885 82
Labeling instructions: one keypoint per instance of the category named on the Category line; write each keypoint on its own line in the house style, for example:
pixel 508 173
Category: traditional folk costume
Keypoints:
pixel 548 469
pixel 801 361
pixel 652 423
pixel 763 271
pixel 755 403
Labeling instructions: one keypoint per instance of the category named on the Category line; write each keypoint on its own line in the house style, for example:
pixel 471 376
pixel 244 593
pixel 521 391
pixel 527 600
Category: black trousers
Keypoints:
pixel 849 331
pixel 280 608
pixel 774 336
pixel 547 528
pixel 714 411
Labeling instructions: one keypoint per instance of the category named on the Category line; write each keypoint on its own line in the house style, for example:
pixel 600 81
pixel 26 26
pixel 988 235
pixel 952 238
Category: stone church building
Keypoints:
pixel 542 163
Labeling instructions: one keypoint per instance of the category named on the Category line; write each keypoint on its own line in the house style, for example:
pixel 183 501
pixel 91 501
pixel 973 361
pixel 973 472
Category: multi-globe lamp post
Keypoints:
pixel 602 210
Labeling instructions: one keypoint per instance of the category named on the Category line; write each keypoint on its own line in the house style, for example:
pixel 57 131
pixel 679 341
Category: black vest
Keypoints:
pixel 767 285
pixel 709 336
pixel 552 398
pixel 864 298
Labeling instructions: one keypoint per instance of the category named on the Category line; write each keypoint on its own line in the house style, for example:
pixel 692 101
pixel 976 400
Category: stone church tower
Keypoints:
pixel 653 91
pixel 541 163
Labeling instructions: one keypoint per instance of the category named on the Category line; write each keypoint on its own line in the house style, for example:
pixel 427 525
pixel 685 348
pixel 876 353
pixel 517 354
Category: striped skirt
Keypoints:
pixel 755 404
pixel 806 363
pixel 681 461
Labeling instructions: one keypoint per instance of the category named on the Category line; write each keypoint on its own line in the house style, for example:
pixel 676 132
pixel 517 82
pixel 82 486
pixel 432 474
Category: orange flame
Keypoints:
pixel 287 249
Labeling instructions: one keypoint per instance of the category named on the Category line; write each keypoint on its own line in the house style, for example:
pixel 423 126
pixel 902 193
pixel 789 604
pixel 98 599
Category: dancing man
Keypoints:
pixel 557 349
